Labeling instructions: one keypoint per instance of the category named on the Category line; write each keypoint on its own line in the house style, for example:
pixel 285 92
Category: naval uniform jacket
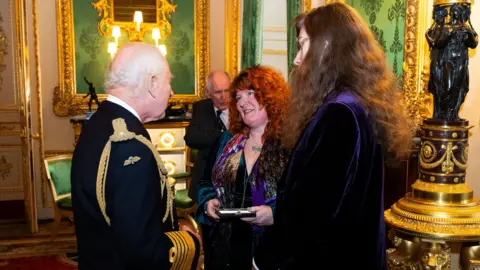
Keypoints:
pixel 135 238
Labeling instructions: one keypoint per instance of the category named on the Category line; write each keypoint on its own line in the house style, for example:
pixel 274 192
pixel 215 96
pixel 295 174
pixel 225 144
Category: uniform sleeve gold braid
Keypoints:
pixel 101 175
pixel 121 133
pixel 183 250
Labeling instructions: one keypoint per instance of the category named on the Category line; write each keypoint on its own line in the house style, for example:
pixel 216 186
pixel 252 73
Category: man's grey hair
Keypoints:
pixel 129 72
pixel 209 83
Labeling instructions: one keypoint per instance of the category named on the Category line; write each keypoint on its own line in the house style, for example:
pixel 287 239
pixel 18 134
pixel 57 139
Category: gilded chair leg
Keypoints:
pixel 192 221
pixel 56 224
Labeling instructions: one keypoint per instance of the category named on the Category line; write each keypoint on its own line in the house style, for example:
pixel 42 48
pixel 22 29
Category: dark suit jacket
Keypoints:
pixel 201 134
pixel 136 238
pixel 331 210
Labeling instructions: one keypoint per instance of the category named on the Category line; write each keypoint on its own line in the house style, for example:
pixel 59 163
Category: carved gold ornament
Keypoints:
pixel 166 139
pixel 67 102
pixel 465 153
pixel 170 166
pixel 448 160
pixel 105 9
pixel 3 50
pixel 5 168
pixel 429 151
pixel 449 2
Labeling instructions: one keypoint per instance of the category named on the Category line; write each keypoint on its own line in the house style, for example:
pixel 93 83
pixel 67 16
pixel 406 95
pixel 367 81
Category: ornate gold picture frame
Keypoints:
pixel 67 101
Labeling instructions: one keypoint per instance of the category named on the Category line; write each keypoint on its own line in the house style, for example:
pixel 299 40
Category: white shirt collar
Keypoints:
pixel 123 104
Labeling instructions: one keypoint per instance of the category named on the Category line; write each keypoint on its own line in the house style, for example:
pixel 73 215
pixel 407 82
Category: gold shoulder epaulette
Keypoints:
pixel 121 133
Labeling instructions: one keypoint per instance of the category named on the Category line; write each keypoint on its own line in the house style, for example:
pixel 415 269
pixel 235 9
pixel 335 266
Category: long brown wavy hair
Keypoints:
pixel 344 54
pixel 271 91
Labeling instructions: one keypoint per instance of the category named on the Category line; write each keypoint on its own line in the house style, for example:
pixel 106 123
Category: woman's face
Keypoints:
pixel 303 46
pixel 247 105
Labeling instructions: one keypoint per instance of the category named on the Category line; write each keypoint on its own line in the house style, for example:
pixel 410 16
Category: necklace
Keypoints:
pixel 257 149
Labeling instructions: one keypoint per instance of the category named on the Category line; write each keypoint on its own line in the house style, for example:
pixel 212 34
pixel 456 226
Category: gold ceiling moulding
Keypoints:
pixel 67 102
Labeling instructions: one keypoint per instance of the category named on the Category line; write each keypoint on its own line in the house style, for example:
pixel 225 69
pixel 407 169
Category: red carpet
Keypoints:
pixel 36 263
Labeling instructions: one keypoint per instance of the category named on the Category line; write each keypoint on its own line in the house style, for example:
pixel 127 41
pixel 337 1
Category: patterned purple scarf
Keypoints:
pixel 224 175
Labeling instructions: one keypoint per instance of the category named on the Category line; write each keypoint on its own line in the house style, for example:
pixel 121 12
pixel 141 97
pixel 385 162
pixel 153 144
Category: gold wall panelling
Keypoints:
pixel 116 14
pixel 11 163
pixel 9 128
pixel 66 100
pixel 277 29
pixel 3 50
pixel 307 5
pixel 232 36
pixel 275 52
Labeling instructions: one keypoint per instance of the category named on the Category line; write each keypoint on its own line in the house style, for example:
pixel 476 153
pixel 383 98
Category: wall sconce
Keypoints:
pixel 112 49
pixel 156 36
pixel 137 21
pixel 116 33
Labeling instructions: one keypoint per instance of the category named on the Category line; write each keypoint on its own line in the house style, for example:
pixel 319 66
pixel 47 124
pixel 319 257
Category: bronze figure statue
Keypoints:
pixel 449 43
pixel 92 94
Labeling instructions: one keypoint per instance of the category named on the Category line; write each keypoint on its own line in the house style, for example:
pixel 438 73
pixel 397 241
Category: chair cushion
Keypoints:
pixel 65 203
pixel 60 173
pixel 182 200
pixel 181 175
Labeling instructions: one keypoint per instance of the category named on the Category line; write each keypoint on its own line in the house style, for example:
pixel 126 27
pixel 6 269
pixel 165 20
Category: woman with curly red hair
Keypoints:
pixel 247 166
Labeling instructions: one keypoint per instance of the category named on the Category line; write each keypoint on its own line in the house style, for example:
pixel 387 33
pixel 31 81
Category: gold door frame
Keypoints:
pixel 67 102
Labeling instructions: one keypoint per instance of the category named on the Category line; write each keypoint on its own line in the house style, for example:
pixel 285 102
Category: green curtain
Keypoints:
pixel 252 33
pixel 294 8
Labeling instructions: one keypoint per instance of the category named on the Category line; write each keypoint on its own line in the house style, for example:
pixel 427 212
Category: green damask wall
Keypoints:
pixel 91 56
pixel 386 19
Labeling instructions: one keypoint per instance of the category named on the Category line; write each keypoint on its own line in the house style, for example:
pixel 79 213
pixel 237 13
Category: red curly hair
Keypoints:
pixel 271 91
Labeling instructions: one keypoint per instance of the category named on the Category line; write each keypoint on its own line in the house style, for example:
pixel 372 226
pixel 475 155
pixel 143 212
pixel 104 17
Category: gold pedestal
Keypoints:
pixel 441 207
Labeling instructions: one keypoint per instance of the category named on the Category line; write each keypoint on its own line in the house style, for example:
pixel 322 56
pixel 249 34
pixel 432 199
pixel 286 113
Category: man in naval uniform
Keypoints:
pixel 122 202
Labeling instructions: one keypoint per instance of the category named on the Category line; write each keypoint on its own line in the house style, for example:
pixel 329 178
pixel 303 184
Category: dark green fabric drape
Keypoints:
pixel 252 33
pixel 294 8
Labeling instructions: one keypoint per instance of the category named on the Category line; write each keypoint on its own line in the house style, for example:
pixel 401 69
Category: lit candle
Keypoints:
pixel 138 18
pixel 163 49
pixel 156 35
pixel 112 49
pixel 116 33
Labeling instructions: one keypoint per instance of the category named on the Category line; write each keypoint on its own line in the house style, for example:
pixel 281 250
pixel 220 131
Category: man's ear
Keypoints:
pixel 152 82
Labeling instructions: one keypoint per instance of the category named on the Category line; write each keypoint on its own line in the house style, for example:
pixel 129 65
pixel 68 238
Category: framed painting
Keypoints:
pixel 85 30
pixel 399 26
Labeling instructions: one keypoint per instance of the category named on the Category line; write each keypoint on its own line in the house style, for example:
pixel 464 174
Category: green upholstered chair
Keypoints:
pixel 183 203
pixel 58 173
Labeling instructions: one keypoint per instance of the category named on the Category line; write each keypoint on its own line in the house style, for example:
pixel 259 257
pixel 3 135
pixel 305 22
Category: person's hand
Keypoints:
pixel 264 216
pixel 212 206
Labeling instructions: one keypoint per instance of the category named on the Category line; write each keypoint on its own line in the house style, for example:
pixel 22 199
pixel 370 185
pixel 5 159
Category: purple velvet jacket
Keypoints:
pixel 330 209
